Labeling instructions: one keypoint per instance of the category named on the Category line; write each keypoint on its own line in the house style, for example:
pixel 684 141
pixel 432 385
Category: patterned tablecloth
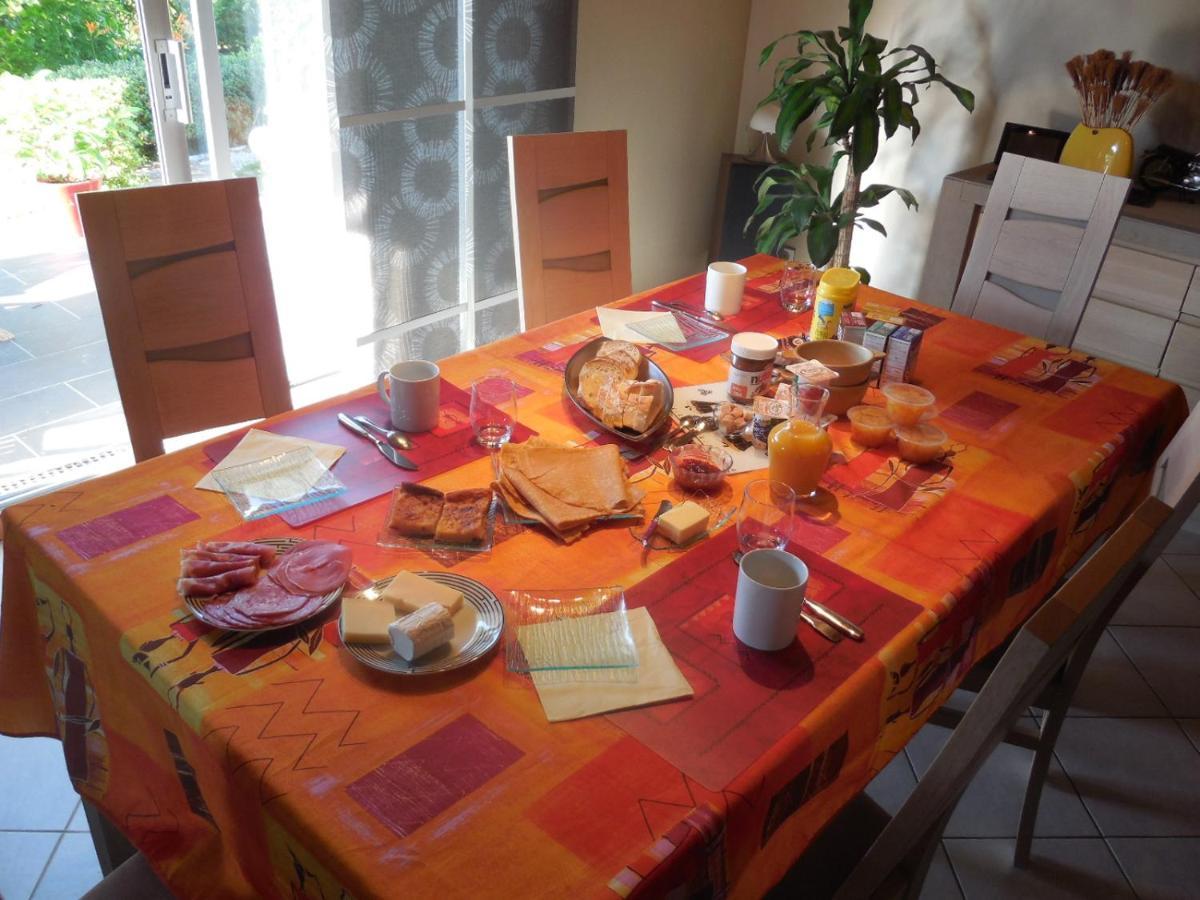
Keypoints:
pixel 275 765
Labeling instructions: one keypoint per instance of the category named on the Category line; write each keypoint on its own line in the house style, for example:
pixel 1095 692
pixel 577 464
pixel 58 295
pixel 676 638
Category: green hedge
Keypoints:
pixel 132 74
pixel 70 130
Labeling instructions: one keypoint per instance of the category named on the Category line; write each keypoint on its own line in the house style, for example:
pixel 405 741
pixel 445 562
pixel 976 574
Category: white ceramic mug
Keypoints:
pixel 724 287
pixel 414 395
pixel 769 598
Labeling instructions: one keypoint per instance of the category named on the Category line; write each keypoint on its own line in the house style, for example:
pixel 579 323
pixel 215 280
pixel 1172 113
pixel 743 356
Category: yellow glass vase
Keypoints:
pixel 1108 150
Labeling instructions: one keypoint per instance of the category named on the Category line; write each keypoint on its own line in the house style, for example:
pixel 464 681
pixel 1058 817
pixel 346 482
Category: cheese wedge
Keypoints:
pixel 409 592
pixel 421 632
pixel 684 522
pixel 366 621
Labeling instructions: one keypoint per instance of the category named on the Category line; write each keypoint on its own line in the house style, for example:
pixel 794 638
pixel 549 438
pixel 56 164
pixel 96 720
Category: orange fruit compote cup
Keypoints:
pixel 870 426
pixel 907 404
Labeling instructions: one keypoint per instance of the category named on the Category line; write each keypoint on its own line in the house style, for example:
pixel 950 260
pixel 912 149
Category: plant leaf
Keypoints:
pixel 866 139
pixel 859 10
pixel 892 101
pixel 871 223
pixel 822 240
pixel 965 98
pixel 871 195
pixel 863 275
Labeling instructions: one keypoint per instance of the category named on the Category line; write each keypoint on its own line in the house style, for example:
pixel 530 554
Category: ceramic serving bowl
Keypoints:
pixel 842 397
pixel 852 362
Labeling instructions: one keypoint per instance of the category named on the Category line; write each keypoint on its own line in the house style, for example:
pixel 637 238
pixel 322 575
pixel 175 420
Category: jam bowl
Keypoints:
pixel 698 467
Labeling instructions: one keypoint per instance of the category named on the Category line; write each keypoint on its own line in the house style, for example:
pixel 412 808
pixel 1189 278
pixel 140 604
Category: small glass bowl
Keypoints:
pixel 921 443
pixel 907 404
pixel 697 467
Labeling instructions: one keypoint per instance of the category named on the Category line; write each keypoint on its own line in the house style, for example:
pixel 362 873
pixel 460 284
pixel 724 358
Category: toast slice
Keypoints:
pixel 416 510
pixel 464 516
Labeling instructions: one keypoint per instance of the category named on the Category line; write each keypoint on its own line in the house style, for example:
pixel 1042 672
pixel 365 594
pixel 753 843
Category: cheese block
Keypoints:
pixel 409 592
pixel 421 632
pixel 366 621
pixel 684 522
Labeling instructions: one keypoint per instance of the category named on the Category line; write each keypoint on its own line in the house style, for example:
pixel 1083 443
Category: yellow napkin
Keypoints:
pixel 658 679
pixel 258 445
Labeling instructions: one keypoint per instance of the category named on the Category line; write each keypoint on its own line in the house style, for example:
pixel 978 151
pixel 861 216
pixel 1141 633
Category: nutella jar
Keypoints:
pixel 750 368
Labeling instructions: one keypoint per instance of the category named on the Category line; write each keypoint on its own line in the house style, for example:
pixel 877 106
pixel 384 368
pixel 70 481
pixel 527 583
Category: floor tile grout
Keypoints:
pixel 46 868
pixel 1141 675
pixel 1177 573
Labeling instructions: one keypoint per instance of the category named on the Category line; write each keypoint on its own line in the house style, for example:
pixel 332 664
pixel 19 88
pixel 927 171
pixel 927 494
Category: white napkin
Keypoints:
pixel 614 324
pixel 258 445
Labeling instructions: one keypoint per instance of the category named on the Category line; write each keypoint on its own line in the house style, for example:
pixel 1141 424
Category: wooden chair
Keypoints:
pixel 132 880
pixel 185 292
pixel 1044 232
pixel 896 861
pixel 570 205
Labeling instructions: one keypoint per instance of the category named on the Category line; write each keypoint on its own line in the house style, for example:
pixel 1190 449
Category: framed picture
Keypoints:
pixel 1032 141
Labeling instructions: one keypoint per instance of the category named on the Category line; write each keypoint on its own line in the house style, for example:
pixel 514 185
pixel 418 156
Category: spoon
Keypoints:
pixel 395 438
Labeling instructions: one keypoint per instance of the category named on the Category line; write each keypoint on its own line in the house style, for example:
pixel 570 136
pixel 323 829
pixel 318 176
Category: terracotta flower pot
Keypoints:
pixel 63 199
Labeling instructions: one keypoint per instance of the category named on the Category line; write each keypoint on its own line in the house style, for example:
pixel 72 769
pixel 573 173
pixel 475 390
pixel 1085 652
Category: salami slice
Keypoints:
pixel 313 567
pixel 212 585
pixel 219 613
pixel 265 553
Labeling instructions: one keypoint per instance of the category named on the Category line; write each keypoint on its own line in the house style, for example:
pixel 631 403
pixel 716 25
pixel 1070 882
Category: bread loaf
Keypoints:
pixel 595 375
pixel 625 354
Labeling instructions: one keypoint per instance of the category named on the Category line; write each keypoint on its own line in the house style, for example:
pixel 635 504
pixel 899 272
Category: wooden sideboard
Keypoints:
pixel 1144 311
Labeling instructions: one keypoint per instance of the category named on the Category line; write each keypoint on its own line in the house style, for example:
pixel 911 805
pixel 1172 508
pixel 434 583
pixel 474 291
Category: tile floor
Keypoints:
pixel 1120 816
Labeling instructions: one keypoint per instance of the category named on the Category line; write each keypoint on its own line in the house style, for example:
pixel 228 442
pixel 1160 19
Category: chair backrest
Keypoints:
pixel 1037 651
pixel 1176 479
pixel 570 205
pixel 1043 234
pixel 185 291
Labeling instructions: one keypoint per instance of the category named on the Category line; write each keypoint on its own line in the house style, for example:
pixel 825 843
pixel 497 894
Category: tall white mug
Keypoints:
pixel 724 287
pixel 412 390
pixel 769 598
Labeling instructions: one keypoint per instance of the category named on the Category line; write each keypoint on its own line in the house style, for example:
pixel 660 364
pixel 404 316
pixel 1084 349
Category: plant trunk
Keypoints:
pixel 841 256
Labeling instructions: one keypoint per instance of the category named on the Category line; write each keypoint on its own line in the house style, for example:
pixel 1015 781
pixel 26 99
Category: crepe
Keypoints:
pixel 565 488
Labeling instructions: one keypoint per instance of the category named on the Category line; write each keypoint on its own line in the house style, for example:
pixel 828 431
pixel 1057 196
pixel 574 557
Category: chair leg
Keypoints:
pixel 923 857
pixel 112 848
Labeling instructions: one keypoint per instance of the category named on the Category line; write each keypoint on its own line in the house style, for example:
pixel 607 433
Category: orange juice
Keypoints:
pixel 797 453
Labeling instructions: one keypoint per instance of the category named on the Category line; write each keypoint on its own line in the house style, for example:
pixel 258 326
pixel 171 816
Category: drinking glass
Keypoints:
pixel 764 518
pixel 798 286
pixel 493 410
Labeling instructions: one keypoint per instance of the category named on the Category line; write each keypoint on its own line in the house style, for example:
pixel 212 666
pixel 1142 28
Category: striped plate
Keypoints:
pixel 196 605
pixel 477 628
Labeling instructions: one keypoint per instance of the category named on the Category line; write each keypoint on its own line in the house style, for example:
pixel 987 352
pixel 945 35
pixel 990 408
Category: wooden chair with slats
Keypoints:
pixel 185 291
pixel 893 853
pixel 1043 235
pixel 570 206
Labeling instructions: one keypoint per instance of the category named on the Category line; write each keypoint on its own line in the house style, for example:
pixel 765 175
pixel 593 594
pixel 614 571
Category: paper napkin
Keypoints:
pixel 614 324
pixel 658 679
pixel 258 445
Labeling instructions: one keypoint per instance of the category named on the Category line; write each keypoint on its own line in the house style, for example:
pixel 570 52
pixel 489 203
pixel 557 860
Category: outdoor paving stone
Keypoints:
pixel 62 336
pixel 37 267
pixel 12 450
pixel 100 388
pixel 82 305
pixel 39 407
pixel 12 352
pixel 1167 659
pixel 1138 777
pixel 52 369
pixel 19 317
pixel 90 429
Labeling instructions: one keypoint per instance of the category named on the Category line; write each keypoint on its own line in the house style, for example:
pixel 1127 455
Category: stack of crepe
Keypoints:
pixel 565 488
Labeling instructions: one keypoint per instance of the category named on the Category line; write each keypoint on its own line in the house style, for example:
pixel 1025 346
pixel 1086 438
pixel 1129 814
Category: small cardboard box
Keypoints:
pixel 876 338
pixel 852 327
pixel 900 363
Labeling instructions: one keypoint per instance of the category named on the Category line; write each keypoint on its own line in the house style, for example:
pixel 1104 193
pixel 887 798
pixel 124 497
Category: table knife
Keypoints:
pixel 680 310
pixel 393 455
pixel 836 620
pixel 645 538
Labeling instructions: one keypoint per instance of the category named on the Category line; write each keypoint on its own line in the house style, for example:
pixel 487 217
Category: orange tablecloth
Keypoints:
pixel 277 766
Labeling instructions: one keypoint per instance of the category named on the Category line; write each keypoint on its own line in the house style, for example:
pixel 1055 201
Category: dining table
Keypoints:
pixel 275 764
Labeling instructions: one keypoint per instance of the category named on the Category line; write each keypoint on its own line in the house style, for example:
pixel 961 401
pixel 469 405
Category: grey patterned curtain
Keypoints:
pixel 427 92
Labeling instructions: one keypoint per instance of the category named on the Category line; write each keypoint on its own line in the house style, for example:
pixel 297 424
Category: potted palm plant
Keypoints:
pixel 856 87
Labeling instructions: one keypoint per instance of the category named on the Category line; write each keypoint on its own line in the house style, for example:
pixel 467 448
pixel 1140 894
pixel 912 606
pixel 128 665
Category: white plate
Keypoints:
pixel 477 627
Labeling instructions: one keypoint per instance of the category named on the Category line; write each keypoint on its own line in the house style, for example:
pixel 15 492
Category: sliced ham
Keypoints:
pixel 211 585
pixel 203 568
pixel 197 553
pixel 265 553
pixel 313 567
pixel 267 603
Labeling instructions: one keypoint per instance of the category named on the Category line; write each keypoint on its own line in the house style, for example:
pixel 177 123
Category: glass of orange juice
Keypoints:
pixel 798 450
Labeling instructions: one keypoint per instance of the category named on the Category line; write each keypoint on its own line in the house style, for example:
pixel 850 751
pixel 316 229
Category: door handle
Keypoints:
pixel 177 102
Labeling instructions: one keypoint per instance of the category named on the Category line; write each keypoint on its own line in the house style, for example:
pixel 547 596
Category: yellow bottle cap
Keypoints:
pixel 839 285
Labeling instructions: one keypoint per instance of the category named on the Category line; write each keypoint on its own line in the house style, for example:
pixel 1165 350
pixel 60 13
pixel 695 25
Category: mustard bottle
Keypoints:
pixel 836 293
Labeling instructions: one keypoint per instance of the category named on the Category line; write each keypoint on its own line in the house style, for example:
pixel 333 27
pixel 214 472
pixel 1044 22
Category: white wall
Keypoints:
pixel 669 72
pixel 1011 54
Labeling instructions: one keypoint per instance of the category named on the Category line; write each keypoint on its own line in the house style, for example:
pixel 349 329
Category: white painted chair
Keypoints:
pixel 1038 247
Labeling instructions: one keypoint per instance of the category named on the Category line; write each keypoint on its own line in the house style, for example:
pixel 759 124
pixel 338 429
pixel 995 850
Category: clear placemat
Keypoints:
pixel 278 483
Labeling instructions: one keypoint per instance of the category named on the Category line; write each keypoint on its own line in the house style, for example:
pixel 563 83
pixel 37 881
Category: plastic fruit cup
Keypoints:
pixel 920 443
pixel 907 403
pixel 870 426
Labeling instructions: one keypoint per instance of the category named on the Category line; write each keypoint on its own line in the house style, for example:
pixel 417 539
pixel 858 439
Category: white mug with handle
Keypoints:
pixel 769 598
pixel 412 390
pixel 723 288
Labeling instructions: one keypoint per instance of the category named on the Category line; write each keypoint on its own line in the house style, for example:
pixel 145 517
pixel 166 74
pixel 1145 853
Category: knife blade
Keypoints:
pixel 836 620
pixel 390 453
pixel 680 310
